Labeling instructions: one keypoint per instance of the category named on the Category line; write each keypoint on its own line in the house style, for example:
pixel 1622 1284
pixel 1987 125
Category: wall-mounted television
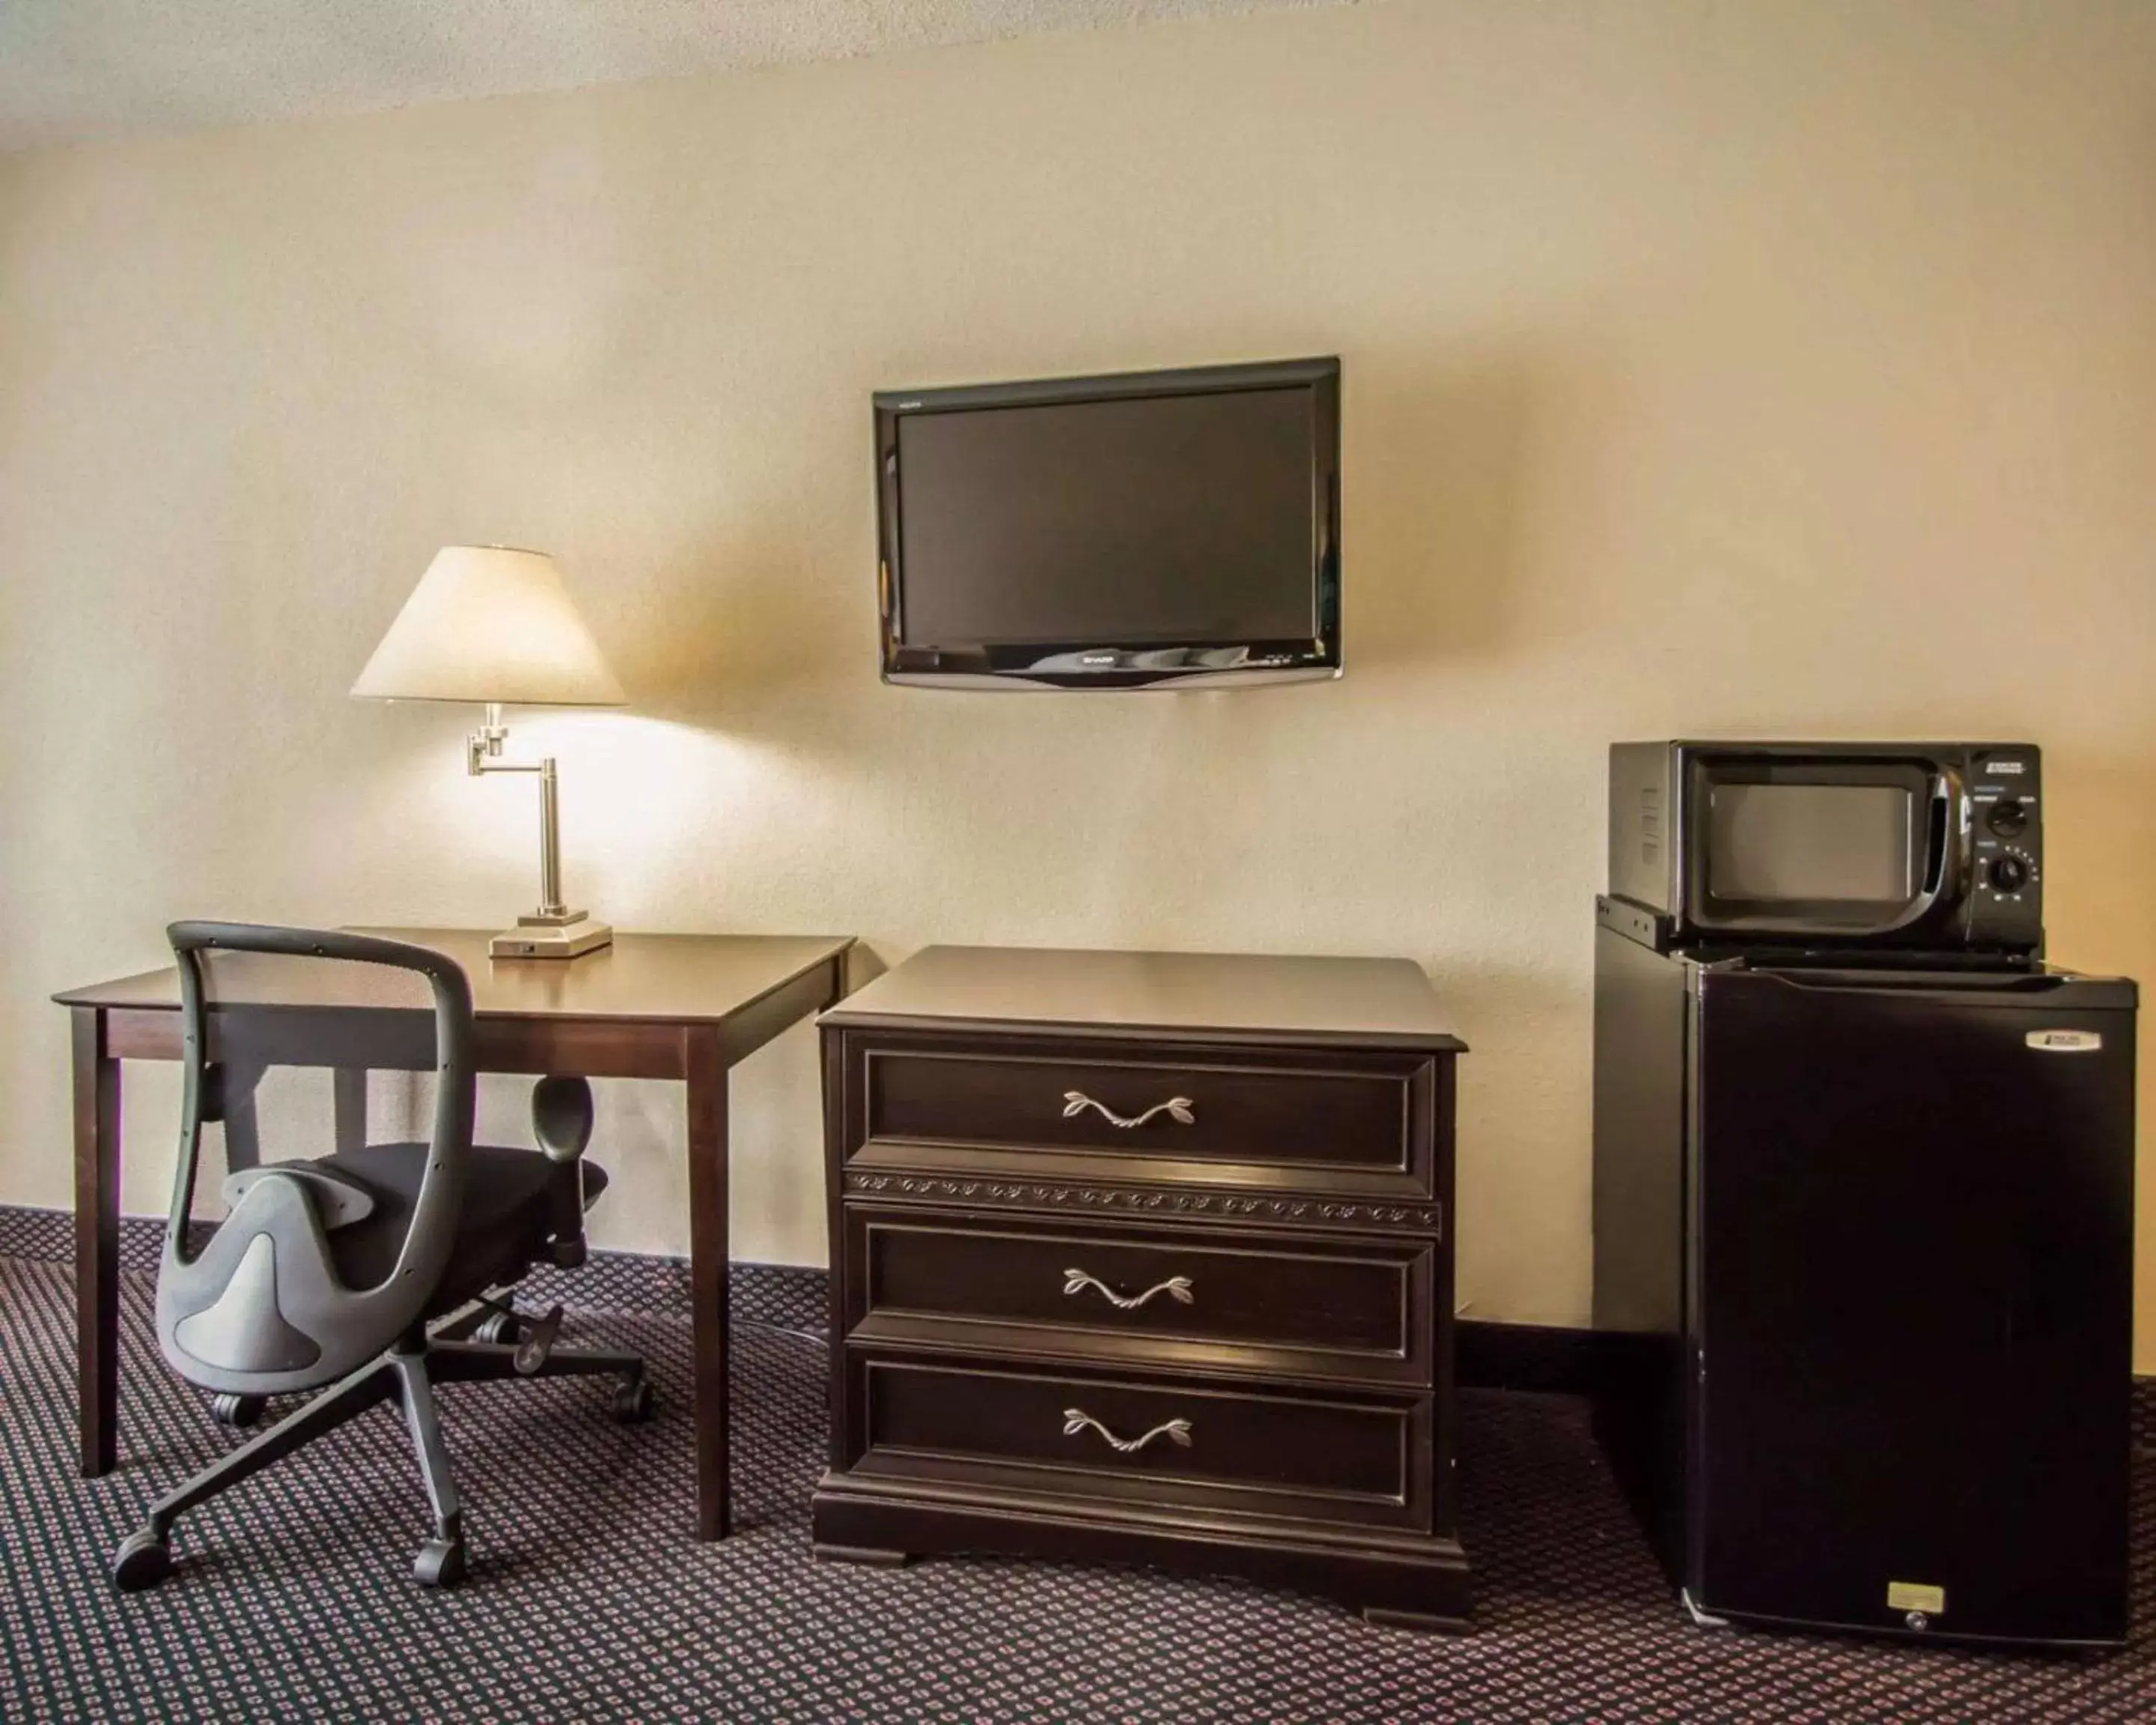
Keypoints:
pixel 1154 529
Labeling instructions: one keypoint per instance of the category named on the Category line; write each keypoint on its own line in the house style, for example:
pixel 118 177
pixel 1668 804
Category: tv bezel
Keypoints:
pixel 1119 664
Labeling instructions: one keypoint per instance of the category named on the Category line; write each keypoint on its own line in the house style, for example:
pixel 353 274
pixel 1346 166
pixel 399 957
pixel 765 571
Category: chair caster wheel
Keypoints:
pixel 440 1564
pixel 499 1329
pixel 633 1401
pixel 241 1411
pixel 142 1561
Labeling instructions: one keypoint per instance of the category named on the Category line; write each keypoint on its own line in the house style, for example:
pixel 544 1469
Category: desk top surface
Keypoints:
pixel 1188 995
pixel 669 978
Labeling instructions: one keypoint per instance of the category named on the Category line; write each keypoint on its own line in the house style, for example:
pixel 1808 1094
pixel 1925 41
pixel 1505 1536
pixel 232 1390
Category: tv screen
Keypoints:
pixel 1113 532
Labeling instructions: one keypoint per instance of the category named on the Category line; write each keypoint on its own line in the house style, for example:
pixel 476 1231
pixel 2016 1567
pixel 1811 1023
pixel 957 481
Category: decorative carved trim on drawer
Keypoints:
pixel 1031 1194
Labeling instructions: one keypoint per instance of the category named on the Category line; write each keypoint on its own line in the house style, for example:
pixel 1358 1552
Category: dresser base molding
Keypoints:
pixel 1405 1581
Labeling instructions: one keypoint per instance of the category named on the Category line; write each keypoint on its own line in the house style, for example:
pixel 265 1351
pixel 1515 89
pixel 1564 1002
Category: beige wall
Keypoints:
pixel 1787 368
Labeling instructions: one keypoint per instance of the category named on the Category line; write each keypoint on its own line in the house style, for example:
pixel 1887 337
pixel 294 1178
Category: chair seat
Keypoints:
pixel 504 1225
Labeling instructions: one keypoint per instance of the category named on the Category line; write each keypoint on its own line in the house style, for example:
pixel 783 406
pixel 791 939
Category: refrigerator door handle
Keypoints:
pixel 1971 990
pixel 1958 984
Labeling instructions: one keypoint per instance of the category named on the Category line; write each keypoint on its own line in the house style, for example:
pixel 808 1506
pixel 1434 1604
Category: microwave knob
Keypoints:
pixel 2009 874
pixel 2009 815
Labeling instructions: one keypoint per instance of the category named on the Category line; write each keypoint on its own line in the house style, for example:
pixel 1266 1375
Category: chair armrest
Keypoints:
pixel 562 1117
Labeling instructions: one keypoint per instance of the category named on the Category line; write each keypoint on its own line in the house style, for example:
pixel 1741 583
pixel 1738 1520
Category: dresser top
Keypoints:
pixel 1384 1002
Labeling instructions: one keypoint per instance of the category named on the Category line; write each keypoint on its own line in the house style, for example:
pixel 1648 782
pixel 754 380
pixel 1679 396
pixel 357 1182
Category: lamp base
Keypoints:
pixel 533 939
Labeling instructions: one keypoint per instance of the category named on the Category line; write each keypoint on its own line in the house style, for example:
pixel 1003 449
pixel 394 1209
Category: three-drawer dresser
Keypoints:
pixel 1146 1257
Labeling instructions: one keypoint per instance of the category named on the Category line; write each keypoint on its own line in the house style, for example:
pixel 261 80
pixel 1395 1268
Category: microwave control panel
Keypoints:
pixel 2005 895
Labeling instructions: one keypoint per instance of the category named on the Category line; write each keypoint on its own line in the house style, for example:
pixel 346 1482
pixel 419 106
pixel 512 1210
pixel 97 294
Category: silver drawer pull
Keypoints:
pixel 1176 1288
pixel 1176 1108
pixel 1076 1419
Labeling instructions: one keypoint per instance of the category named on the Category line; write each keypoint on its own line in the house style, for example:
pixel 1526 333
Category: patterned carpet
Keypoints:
pixel 589 1601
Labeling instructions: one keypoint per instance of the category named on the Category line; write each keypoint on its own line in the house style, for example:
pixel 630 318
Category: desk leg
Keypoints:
pixel 705 1068
pixel 96 1241
pixel 242 1136
pixel 348 1107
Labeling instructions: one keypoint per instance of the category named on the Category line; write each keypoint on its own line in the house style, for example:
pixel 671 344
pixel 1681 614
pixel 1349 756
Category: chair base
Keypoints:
pixel 407 1374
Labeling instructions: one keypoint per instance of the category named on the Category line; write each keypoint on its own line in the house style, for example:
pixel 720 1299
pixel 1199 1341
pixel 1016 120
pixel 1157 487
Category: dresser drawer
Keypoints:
pixel 1048 1105
pixel 1248 1302
pixel 1096 1437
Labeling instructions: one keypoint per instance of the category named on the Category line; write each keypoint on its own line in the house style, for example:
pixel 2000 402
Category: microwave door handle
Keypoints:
pixel 1956 860
pixel 1951 802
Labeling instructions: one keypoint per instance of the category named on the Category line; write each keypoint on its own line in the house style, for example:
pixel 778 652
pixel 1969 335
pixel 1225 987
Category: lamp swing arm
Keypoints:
pixel 483 750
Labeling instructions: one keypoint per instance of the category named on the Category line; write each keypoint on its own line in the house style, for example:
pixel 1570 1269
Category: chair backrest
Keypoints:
pixel 260 1309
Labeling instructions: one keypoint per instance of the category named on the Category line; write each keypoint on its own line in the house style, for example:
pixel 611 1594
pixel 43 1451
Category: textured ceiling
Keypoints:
pixel 72 70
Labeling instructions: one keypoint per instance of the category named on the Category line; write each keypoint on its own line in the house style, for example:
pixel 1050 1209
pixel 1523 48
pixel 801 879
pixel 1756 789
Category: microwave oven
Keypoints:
pixel 1908 848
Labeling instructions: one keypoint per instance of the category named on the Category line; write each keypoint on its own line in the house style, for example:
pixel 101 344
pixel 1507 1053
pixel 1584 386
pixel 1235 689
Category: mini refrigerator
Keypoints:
pixel 1864 1243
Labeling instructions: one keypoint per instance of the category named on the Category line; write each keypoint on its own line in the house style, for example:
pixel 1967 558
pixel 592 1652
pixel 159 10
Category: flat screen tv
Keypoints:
pixel 1161 529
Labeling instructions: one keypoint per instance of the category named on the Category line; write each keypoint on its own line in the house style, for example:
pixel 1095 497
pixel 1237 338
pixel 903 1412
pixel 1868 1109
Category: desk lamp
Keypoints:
pixel 490 624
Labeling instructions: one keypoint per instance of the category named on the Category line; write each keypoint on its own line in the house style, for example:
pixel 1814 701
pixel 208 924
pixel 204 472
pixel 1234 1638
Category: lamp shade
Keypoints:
pixel 488 623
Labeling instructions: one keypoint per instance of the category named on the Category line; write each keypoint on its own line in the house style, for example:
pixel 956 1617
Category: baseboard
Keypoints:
pixel 1546 1358
pixel 1571 1362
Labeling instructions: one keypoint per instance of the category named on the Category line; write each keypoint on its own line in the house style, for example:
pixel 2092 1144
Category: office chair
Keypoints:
pixel 325 1274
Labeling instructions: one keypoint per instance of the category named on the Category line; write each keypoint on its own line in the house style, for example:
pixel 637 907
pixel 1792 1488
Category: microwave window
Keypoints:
pixel 1811 843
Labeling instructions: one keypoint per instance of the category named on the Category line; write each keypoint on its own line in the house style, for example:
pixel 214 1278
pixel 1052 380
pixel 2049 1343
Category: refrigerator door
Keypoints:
pixel 1910 1300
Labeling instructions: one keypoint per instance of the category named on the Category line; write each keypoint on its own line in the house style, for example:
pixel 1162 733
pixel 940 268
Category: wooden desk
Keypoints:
pixel 686 1006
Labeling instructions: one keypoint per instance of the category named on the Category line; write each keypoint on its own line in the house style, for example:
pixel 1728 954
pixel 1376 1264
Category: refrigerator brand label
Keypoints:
pixel 2065 1041
pixel 1915 1596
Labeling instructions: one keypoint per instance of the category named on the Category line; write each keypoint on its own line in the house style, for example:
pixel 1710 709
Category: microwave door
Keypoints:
pixel 1823 850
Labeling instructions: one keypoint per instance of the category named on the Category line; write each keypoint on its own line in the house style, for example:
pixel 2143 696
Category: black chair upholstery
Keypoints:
pixel 505 1222
pixel 366 1274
